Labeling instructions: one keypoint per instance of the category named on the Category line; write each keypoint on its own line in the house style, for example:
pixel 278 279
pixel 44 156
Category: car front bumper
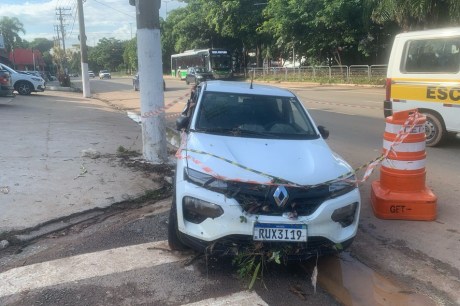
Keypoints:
pixel 40 88
pixel 237 225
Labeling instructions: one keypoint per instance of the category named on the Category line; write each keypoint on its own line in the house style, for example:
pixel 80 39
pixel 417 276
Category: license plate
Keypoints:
pixel 280 232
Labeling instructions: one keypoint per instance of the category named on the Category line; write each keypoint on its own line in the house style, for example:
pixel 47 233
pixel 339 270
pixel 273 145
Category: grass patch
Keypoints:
pixel 125 153
pixel 320 80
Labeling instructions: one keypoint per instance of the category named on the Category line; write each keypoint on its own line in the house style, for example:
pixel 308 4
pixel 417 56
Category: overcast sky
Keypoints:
pixel 103 18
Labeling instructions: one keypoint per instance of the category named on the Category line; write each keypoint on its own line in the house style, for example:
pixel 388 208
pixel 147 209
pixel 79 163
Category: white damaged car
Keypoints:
pixel 254 169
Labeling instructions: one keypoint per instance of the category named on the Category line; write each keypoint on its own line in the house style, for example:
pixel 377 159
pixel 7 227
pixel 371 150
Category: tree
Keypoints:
pixel 321 30
pixel 130 54
pixel 203 24
pixel 42 44
pixel 107 54
pixel 416 14
pixel 238 20
pixel 74 60
pixel 10 29
pixel 189 29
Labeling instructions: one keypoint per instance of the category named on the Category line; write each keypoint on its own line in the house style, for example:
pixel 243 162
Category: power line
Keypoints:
pixel 114 9
pixel 74 19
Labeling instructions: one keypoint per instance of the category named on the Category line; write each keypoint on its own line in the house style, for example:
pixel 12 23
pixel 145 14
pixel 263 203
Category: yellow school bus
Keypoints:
pixel 424 73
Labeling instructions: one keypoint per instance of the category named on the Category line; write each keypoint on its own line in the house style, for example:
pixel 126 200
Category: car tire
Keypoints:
pixel 174 240
pixel 24 88
pixel 434 129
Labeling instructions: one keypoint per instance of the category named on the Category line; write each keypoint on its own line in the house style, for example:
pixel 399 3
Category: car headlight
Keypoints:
pixel 196 210
pixel 342 186
pixel 205 180
pixel 345 215
pixel 37 79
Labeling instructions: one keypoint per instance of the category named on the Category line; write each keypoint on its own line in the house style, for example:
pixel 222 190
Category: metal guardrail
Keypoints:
pixel 347 73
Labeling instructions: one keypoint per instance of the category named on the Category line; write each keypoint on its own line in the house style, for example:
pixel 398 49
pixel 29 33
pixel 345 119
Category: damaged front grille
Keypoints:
pixel 235 244
pixel 260 199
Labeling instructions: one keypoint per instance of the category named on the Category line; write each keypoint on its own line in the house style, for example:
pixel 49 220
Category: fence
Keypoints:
pixel 342 73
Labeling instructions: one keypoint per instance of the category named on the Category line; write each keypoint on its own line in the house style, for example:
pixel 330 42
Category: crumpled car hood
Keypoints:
pixel 303 162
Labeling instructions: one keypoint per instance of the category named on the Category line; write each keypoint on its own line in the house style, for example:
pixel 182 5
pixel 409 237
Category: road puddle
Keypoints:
pixel 353 283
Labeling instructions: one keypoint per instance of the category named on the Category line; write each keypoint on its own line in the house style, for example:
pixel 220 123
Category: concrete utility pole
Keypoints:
pixel 62 29
pixel 151 80
pixel 84 54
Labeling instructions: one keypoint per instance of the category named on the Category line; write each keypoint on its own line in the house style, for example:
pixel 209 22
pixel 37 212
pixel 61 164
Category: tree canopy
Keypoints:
pixel 42 44
pixel 107 54
pixel 10 28
pixel 318 31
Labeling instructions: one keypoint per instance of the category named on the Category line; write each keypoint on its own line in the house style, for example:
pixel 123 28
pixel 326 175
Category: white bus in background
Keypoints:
pixel 216 61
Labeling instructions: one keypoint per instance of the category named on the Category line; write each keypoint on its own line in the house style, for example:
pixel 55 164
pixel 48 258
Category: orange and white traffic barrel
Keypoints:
pixel 401 192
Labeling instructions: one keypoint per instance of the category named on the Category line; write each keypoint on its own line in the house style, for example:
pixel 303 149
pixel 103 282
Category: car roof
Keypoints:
pixel 431 33
pixel 246 88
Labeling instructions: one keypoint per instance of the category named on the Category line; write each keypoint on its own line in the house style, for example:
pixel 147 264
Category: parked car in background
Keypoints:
pixel 25 83
pixel 104 74
pixel 136 83
pixel 196 75
pixel 256 174
pixel 6 86
pixel 31 72
pixel 91 74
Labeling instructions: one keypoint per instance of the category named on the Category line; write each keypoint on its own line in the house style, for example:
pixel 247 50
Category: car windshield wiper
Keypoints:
pixel 215 130
pixel 255 133
pixel 236 132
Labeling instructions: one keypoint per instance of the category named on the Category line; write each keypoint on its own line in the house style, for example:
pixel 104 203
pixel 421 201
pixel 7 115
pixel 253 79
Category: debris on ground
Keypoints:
pixel 4 244
pixel 91 153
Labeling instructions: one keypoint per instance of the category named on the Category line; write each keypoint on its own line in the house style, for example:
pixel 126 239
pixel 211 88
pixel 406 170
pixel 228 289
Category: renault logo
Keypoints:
pixel 281 196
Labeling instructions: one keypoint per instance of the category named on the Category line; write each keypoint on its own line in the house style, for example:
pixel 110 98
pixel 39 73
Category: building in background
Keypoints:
pixel 27 59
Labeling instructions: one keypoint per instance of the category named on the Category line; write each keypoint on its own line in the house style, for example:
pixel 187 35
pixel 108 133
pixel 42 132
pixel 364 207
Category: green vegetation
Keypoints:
pixel 125 153
pixel 315 32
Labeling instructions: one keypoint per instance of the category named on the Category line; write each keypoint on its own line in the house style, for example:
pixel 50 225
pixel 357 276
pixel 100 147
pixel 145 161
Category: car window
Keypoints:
pixel 434 55
pixel 241 113
pixel 199 70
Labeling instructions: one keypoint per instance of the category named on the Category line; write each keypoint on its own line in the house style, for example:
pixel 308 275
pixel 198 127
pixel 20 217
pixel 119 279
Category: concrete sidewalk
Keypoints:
pixel 59 158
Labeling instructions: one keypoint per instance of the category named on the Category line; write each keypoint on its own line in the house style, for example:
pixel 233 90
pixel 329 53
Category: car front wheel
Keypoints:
pixel 24 88
pixel 434 130
pixel 173 232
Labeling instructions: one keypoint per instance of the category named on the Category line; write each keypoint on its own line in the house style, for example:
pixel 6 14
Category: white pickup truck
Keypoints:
pixel 25 83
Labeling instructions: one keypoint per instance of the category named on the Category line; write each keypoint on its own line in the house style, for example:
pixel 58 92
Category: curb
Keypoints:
pixel 60 88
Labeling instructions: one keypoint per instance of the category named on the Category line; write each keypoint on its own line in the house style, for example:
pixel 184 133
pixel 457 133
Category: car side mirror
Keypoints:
pixel 323 131
pixel 182 122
